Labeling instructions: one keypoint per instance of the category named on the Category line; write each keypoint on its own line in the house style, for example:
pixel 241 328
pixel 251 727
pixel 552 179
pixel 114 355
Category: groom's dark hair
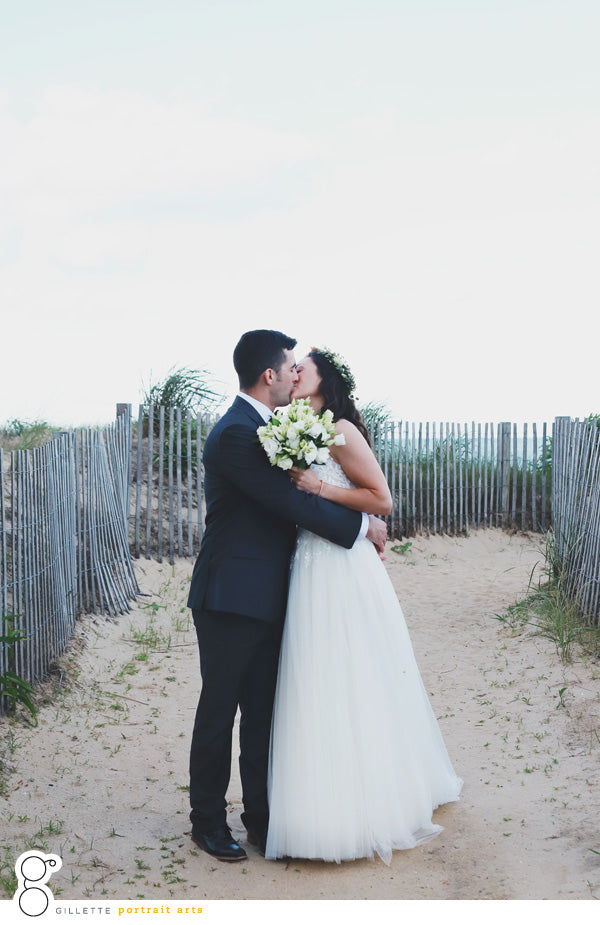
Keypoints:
pixel 259 350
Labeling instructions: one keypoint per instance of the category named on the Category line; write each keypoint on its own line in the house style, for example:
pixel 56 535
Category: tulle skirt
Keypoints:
pixel 358 763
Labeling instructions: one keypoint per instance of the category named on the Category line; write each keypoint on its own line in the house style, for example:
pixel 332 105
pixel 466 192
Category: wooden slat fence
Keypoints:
pixel 444 478
pixel 576 505
pixel 452 477
pixel 64 549
pixel 167 510
pixel 72 513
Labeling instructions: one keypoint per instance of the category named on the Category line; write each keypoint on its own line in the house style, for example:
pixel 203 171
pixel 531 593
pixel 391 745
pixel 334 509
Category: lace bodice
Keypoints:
pixel 309 546
pixel 332 473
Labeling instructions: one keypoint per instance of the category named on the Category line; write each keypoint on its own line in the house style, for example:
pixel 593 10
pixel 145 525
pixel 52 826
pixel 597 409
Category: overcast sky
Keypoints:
pixel 413 184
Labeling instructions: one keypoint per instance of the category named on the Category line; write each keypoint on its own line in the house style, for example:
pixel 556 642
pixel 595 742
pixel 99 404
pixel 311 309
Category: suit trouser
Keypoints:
pixel 238 663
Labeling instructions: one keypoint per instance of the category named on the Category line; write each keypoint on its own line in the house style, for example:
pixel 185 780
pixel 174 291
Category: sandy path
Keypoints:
pixel 102 780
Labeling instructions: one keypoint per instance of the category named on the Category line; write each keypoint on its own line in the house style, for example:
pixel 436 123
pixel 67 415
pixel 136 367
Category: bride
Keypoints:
pixel 357 763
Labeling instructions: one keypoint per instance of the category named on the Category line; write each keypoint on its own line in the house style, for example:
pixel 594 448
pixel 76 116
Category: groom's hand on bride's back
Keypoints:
pixel 377 533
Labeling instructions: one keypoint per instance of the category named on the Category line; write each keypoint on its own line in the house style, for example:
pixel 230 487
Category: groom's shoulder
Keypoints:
pixel 239 414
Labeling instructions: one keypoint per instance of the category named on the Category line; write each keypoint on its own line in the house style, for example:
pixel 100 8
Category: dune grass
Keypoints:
pixel 24 435
pixel 550 612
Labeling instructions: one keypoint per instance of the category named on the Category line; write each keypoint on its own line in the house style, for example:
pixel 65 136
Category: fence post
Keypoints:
pixel 557 498
pixel 504 469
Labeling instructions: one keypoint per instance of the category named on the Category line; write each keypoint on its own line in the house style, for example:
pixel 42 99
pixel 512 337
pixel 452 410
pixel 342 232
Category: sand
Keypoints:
pixel 102 780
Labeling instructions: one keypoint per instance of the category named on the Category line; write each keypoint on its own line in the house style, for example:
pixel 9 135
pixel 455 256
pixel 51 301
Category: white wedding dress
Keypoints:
pixel 357 763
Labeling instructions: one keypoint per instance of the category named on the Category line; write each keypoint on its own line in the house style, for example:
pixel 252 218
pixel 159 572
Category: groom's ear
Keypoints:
pixel 269 376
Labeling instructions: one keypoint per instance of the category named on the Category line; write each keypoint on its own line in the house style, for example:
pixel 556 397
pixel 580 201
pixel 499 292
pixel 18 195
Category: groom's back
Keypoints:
pixel 243 561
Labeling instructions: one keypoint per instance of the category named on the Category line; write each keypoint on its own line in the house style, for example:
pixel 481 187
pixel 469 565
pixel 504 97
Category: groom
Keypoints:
pixel 239 590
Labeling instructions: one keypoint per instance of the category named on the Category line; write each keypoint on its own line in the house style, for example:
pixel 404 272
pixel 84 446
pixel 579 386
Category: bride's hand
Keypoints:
pixel 306 480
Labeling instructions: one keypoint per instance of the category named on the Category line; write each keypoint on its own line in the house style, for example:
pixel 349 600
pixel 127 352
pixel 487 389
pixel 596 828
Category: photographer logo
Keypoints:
pixel 33 870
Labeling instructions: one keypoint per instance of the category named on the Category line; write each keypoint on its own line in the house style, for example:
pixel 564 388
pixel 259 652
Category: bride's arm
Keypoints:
pixel 356 458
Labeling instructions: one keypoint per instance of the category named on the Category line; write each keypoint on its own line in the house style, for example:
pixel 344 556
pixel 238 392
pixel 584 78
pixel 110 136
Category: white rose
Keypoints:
pixel 284 462
pixel 271 446
pixel 321 457
pixel 339 440
pixel 310 454
pixel 317 430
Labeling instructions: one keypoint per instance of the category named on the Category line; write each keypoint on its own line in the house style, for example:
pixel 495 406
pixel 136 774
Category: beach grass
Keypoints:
pixel 549 611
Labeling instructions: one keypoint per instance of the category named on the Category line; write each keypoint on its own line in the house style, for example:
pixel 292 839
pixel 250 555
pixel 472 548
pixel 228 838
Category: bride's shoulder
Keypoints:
pixel 346 427
pixel 352 435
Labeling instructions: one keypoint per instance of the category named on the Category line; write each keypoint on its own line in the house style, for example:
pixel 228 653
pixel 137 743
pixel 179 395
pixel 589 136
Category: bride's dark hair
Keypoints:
pixel 336 388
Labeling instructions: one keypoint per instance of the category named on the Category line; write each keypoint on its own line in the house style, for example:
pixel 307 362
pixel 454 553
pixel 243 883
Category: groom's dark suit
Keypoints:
pixel 238 597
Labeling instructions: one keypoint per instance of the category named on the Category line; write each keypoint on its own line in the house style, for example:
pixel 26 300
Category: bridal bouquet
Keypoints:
pixel 298 436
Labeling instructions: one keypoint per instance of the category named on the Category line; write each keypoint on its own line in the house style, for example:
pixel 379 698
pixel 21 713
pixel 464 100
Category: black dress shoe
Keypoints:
pixel 219 843
pixel 258 840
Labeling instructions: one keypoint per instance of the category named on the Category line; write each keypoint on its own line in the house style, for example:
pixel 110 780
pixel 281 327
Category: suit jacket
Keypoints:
pixel 252 511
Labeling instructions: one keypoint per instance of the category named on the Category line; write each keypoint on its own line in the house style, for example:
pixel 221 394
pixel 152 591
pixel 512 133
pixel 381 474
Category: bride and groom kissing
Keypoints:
pixel 299 627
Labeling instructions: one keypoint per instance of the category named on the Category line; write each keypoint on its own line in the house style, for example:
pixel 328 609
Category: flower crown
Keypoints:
pixel 339 363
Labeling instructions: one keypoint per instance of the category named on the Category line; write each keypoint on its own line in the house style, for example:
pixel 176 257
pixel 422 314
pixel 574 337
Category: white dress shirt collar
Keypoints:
pixel 263 410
